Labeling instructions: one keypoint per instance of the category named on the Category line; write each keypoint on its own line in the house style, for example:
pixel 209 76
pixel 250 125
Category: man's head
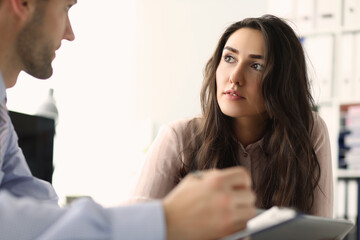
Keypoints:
pixel 31 31
pixel 41 36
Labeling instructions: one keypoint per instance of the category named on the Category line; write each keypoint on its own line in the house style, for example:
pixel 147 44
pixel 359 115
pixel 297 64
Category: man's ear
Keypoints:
pixel 22 8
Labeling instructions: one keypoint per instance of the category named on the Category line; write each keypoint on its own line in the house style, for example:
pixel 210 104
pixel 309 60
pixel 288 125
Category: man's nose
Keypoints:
pixel 69 34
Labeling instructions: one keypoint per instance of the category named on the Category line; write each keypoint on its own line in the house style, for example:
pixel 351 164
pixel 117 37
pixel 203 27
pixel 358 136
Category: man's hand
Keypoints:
pixel 210 204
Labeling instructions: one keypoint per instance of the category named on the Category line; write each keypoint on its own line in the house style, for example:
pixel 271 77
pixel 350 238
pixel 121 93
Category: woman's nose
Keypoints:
pixel 236 76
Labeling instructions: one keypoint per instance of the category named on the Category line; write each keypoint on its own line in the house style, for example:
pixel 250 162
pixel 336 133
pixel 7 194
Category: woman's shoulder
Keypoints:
pixel 320 132
pixel 179 131
pixel 319 123
pixel 183 125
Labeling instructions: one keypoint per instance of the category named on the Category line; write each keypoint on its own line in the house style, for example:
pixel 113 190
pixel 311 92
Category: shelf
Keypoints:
pixel 348 173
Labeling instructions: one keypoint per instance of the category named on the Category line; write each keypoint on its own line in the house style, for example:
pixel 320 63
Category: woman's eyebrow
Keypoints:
pixel 255 56
pixel 231 49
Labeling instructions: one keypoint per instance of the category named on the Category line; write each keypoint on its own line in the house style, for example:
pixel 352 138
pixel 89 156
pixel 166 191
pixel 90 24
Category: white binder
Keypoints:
pixel 357 65
pixel 305 15
pixel 346 80
pixel 351 13
pixel 319 50
pixel 327 14
pixel 282 8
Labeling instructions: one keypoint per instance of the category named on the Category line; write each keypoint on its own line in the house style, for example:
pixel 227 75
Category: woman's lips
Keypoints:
pixel 234 95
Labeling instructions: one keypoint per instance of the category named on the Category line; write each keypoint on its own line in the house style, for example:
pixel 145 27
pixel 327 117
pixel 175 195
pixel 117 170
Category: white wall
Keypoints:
pixel 131 60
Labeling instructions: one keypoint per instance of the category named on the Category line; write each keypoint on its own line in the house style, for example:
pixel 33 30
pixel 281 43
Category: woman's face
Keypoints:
pixel 238 76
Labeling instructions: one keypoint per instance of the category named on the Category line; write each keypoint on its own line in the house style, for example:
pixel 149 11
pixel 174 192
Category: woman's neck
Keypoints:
pixel 250 129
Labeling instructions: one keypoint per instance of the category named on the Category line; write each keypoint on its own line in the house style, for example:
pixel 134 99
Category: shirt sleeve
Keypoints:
pixel 29 208
pixel 162 163
pixel 26 219
pixel 323 204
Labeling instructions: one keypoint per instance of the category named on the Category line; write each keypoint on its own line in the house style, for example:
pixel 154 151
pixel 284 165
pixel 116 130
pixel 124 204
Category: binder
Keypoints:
pixel 346 83
pixel 351 13
pixel 341 201
pixel 305 15
pixel 319 50
pixel 352 201
pixel 286 10
pixel 357 64
pixel 286 223
pixel 327 14
pixel 349 136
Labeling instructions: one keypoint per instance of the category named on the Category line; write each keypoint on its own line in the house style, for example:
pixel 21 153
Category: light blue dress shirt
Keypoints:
pixel 29 209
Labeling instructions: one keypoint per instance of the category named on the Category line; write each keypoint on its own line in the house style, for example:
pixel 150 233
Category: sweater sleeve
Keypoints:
pixel 161 165
pixel 323 202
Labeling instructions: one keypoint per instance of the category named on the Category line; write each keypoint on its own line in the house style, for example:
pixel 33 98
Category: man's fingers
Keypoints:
pixel 244 198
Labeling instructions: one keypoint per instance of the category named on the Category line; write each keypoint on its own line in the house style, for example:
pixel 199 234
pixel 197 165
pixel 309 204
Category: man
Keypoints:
pixel 206 205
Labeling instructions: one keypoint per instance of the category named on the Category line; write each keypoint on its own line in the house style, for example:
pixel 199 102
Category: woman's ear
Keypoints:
pixel 22 8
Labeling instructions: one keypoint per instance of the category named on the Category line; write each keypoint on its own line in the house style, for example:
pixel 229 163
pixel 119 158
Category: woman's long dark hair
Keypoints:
pixel 292 169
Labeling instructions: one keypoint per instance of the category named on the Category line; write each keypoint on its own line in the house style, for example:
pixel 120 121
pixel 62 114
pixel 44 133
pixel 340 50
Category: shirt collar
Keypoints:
pixel 2 89
pixel 252 146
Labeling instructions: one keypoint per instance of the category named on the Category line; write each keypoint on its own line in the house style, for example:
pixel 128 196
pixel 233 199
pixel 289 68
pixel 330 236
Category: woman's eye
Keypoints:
pixel 258 67
pixel 229 59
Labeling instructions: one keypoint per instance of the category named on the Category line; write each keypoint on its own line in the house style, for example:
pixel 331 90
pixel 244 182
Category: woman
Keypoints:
pixel 256 112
